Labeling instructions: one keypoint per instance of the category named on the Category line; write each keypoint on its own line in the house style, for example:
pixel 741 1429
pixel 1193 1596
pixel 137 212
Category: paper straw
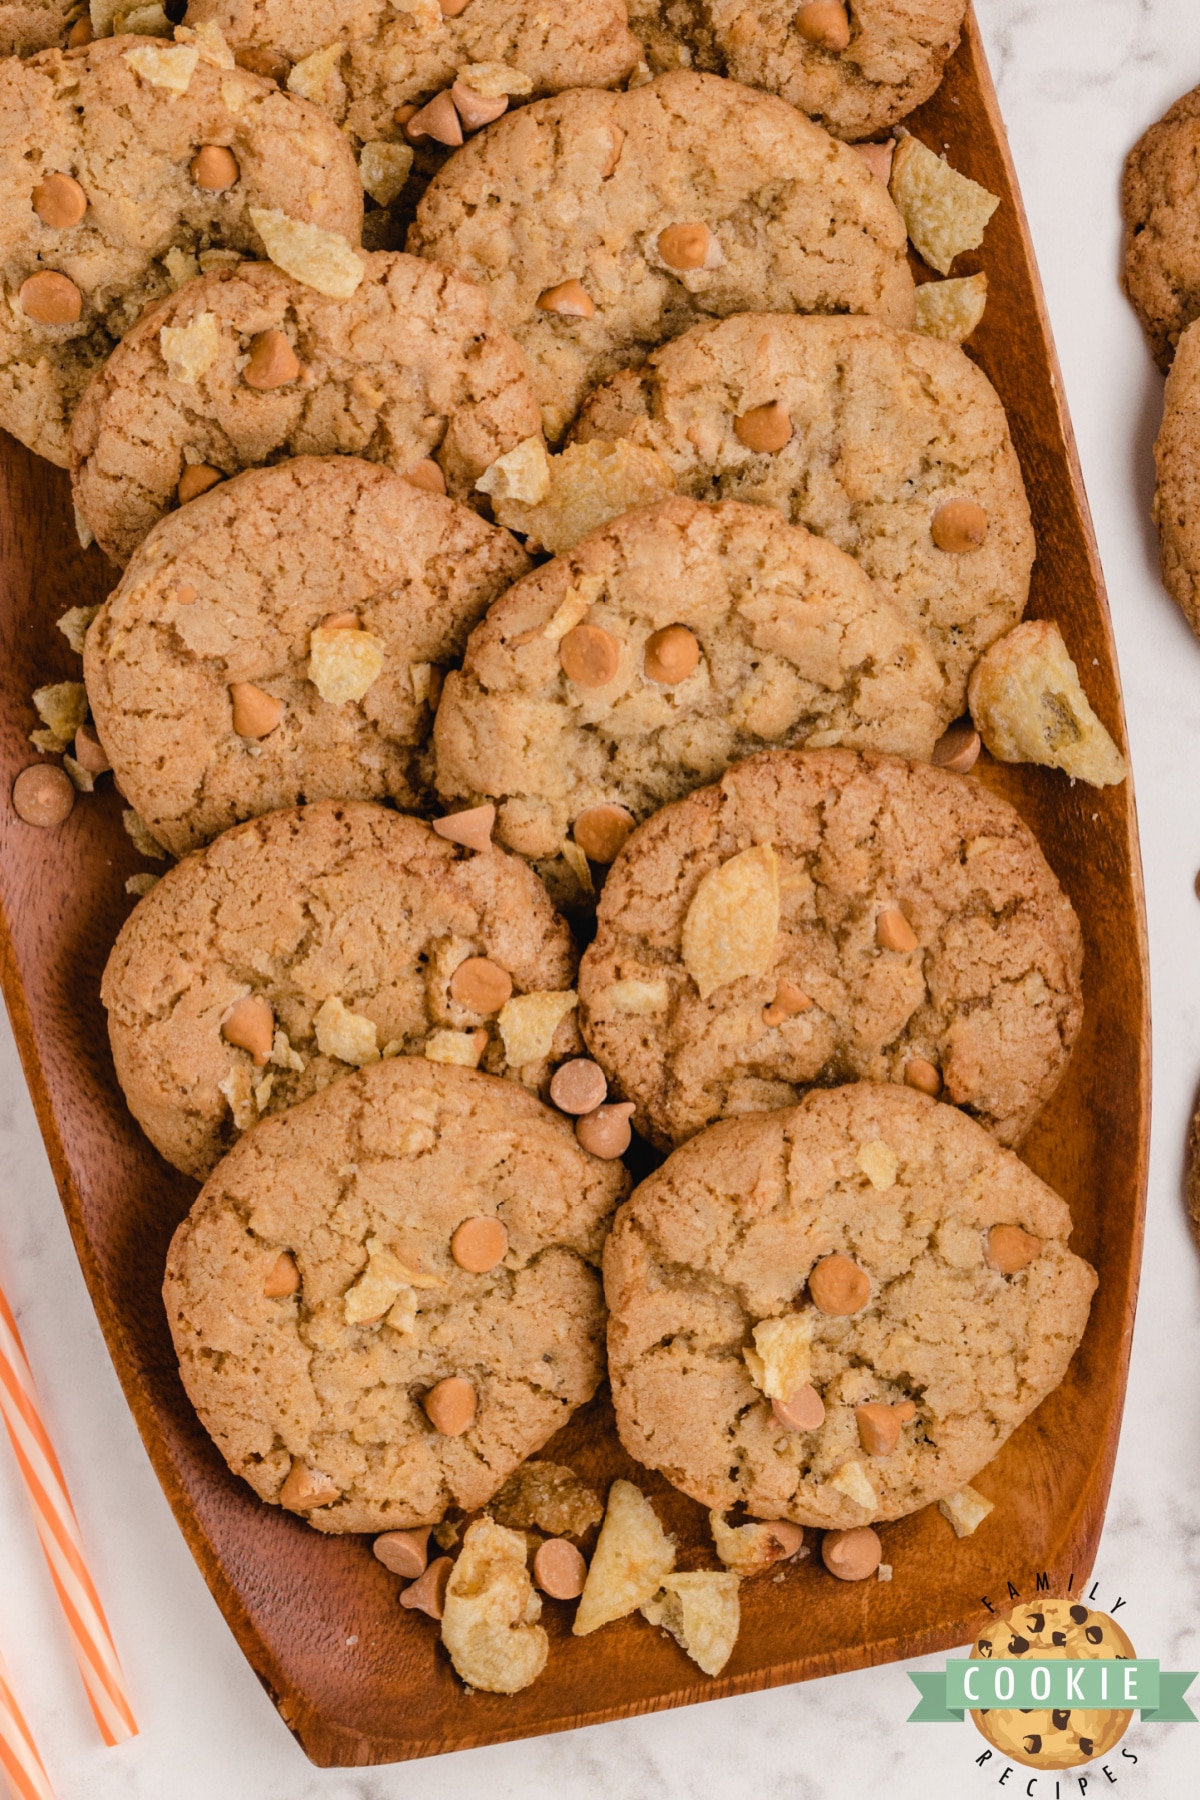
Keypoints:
pixel 19 1757
pixel 58 1530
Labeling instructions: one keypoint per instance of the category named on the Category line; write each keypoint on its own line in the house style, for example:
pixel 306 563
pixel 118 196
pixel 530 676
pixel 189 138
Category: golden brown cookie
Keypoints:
pixel 1160 200
pixel 347 1364
pixel 820 916
pixel 1047 1631
pixel 1177 497
pixel 840 1253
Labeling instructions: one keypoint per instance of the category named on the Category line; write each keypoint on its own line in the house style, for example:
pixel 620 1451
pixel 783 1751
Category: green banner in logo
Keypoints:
pixel 1127 1685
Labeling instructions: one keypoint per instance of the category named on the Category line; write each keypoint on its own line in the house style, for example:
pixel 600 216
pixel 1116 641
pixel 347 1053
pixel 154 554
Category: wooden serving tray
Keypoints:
pixel 357 1679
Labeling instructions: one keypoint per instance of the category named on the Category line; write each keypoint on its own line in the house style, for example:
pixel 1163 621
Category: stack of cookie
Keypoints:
pixel 616 562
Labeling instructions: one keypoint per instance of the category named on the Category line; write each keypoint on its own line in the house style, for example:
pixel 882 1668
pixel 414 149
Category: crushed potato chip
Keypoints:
pixel 62 706
pixel 633 1557
pixel 82 779
pixel 282 1053
pixel 262 1093
pixel 549 1497
pixel 463 1048
pixel 781 1360
pixel 851 1480
pixel 494 80
pixel 578 864
pixel 402 1316
pixel 879 1163
pixel 313 75
pixel 575 607
pixel 320 259
pixel 140 885
pixel 144 841
pixel 144 21
pixel 83 531
pixel 587 485
pixel 528 1023
pixel 521 474
pixel 747 1549
pixel 349 1036
pixel 641 76
pixel 384 169
pixel 489 1616
pixel 238 1089
pixel 1028 705
pixel 209 40
pixel 944 212
pixel 425 13
pixel 343 664
pixel 733 921
pixel 378 1287
pixel 642 998
pixel 180 266
pixel 48 742
pixel 169 66
pixel 702 1612
pixel 965 1510
pixel 951 309
pixel 218 259
pixel 190 351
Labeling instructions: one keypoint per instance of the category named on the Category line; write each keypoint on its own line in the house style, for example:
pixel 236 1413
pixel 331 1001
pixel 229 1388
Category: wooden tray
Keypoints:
pixel 358 1680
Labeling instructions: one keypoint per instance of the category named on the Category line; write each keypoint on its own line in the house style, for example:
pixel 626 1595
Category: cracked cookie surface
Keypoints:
pixel 1177 494
pixel 339 903
pixel 381 1169
pixel 231 588
pixel 1160 201
pixel 883 427
pixel 131 221
pixel 30 25
pixel 725 1237
pixel 891 914
pixel 580 190
pixel 411 367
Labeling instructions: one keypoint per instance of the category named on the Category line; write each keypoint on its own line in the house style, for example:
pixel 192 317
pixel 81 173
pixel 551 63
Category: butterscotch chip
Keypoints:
pixel 90 752
pixel 427 1593
pixel 196 479
pixel 59 201
pixel 410 1150
pixel 1010 1249
pixel 340 896
pixel 480 985
pixel 306 1488
pixel 958 748
pixel 737 1224
pixel 684 246
pixel 50 299
pixel 824 23
pixel 570 299
pixel 272 362
pixel 490 1611
pixel 692 145
pixel 215 168
pixel 43 794
pixel 472 828
pixel 590 656
pixel 578 1086
pixel 426 475
pixel 479 1244
pixel 751 1548
pixel 1029 706
pixel 960 527
pixel 439 121
pixel 283 1279
pixel 839 1286
pixel 879 1426
pixel 476 109
pixel 765 429
pixel 559 1569
pixel 255 714
pixel 450 1406
pixel 923 1075
pixel 893 931
pixel 606 1133
pixel 803 1410
pixel 992 995
pixel 405 1553
pixel 250 1024
pixel 601 831
pixel 671 654
pixel 852 1555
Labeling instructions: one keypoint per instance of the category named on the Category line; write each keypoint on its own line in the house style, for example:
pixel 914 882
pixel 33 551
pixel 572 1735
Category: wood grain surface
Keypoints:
pixel 357 1679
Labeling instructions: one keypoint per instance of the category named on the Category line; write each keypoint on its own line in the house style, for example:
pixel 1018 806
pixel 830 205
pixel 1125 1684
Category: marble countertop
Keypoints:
pixel 1078 81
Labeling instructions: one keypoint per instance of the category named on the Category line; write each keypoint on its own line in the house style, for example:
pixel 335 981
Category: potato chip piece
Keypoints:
pixel 494 79
pixel 528 1023
pixel 169 66
pixel 343 664
pixel 586 486
pixel 83 531
pixel 781 1360
pixel 180 266
pixel 951 309
pixel 550 1497
pixel 522 474
pixel 644 999
pixel 574 607
pixel 144 21
pixel 578 864
pixel 209 40
pixel 851 1480
pixel 283 1055
pixel 965 1510
pixel 313 77
pixel 702 1612
pixel 879 1163
pixel 1028 705
pixel 82 779
pixel 190 351
pixel 633 1557
pixel 62 706
pixel 320 259
pixel 747 1549
pixel 384 169
pixel 238 1089
pixel 144 842
pixel 345 1034
pixel 378 1287
pixel 943 211
pixel 262 1093
pixel 462 1048
pixel 140 885
pixel 489 1617
pixel 733 921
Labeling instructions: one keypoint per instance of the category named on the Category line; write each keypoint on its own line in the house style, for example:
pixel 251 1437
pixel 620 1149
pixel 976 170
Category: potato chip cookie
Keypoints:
pixel 1047 1631
pixel 1177 496
pixel 283 638
pixel 248 364
pixel 1160 201
pixel 821 916
pixel 122 164
pixel 816 1313
pixel 893 446
pixel 315 941
pixel 665 646
pixel 602 224
pixel 856 67
pixel 349 1362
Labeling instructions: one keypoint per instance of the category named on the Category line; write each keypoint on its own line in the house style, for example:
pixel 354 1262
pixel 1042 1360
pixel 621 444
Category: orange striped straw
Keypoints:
pixel 58 1530
pixel 19 1757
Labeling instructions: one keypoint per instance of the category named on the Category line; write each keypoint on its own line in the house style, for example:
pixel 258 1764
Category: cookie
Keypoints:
pixel 836 1262
pixel 857 68
pixel 1050 1630
pixel 216 684
pixel 602 224
pixel 123 164
pixel 323 1316
pixel 821 916
pixel 30 25
pixel 674 641
pixel 308 943
pixel 1177 496
pixel 247 365
pixel 1160 202
pixel 893 446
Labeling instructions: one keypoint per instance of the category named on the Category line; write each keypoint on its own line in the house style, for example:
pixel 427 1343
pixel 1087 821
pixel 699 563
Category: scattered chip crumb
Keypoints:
pixel 140 885
pixel 944 212
pixel 218 259
pixel 463 1048
pixel 747 1549
pixel 495 79
pixel 884 1572
pixel 144 841
pixel 879 1163
pixel 573 608
pixel 781 1360
pixel 447 1534
pixel 851 1480
pixel 320 259
pixel 644 999
pixel 489 1621
pixel 86 536
pixel 585 487
pixel 343 665
pixel 169 66
pixel 702 1612
pixel 315 76
pixel 578 864
pixel 209 40
pixel 190 351
pixel 733 921
pixel 238 1089
pixel 641 76
pixel 1028 706
pixel 144 21
pixel 384 169
pixel 349 1036
pixel 951 309
pixel 262 1092
pixel 521 475
pixel 83 779
pixel 283 1055
pixel 632 1559
pixel 550 1497
pixel 62 707
pixel 965 1510
pixel 528 1023
pixel 180 266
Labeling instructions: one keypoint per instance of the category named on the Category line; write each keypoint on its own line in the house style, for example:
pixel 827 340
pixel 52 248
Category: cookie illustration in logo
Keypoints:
pixel 1053 1629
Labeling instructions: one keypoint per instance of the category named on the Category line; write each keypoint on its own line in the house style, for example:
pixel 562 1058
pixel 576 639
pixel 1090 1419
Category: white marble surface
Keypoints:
pixel 1078 81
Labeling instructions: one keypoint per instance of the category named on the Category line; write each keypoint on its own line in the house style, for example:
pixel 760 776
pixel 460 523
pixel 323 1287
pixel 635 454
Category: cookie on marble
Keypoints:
pixel 283 638
pixel 892 445
pixel 602 224
pixel 856 68
pixel 1049 1630
pixel 122 164
pixel 1177 496
pixel 311 942
pixel 822 916
pixel 247 365
pixel 674 641
pixel 1160 201
pixel 839 1312
pixel 415 1243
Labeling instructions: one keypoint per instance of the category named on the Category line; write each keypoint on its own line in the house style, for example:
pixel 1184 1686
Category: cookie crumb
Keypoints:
pixel 140 885
pixel 495 79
